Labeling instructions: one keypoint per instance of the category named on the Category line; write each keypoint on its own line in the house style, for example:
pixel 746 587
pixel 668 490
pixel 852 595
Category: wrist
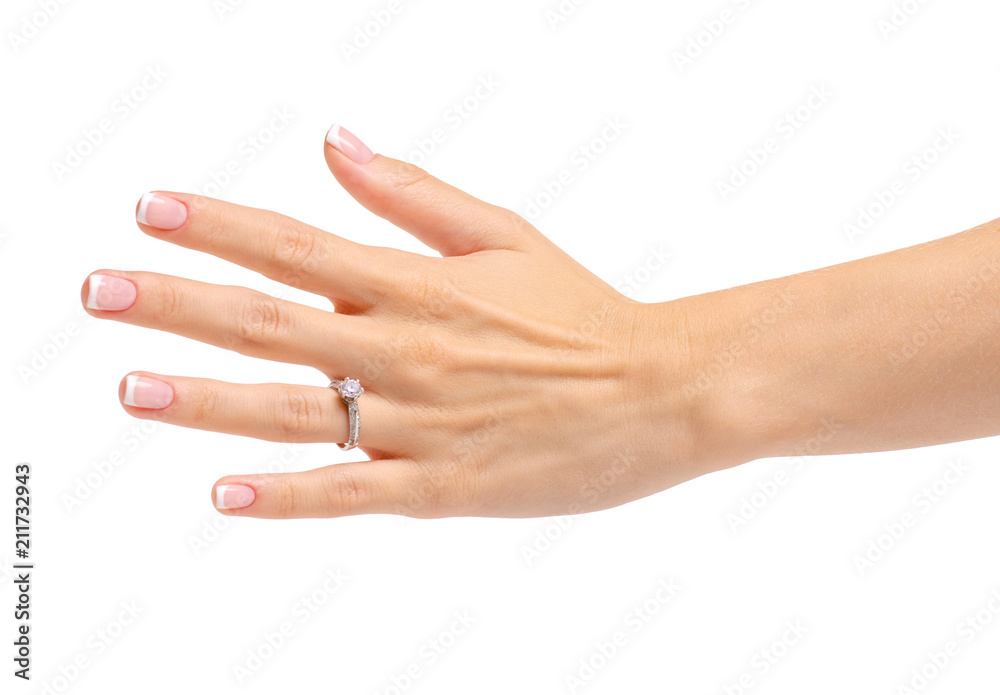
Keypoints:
pixel 721 372
pixel 687 429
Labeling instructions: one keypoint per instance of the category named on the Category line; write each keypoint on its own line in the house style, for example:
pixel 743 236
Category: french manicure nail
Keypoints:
pixel 107 293
pixel 348 143
pixel 143 392
pixel 234 496
pixel 159 211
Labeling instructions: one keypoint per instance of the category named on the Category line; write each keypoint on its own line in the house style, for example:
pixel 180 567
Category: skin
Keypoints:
pixel 504 379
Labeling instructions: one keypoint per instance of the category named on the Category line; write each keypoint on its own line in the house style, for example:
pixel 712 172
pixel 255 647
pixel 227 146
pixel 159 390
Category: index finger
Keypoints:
pixel 279 247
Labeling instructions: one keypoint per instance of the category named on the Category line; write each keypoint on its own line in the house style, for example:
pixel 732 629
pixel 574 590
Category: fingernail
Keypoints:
pixel 106 293
pixel 234 496
pixel 143 392
pixel 348 143
pixel 159 211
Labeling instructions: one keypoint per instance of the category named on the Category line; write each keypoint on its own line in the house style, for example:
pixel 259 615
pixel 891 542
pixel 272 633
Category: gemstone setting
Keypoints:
pixel 350 389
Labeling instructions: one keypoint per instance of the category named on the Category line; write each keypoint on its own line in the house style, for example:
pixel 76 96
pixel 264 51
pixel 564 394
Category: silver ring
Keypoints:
pixel 350 390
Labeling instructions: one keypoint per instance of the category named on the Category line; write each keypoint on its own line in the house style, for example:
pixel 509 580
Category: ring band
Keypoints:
pixel 350 390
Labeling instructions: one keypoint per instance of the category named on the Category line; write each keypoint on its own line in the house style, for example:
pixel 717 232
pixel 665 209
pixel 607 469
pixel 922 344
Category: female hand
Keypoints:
pixel 502 379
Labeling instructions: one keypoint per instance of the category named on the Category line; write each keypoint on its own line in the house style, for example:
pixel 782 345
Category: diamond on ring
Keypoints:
pixel 350 390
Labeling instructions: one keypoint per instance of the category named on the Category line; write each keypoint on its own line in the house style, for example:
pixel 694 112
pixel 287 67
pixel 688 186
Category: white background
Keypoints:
pixel 206 597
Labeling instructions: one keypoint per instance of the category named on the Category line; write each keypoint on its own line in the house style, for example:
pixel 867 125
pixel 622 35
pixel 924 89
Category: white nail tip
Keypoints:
pixel 220 497
pixel 333 136
pixel 130 382
pixel 92 287
pixel 140 214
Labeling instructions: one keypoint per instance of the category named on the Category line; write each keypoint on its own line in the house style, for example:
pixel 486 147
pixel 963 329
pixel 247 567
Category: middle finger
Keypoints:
pixel 236 318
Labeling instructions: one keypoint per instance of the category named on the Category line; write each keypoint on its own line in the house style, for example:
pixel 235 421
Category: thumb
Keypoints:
pixel 448 220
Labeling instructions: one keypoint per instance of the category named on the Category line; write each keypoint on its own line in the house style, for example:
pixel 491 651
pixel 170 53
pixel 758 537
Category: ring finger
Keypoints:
pixel 273 412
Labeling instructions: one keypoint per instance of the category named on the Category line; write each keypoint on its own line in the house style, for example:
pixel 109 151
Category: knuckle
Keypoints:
pixel 213 222
pixel 207 407
pixel 344 492
pixel 519 229
pixel 287 504
pixel 296 252
pixel 170 304
pixel 430 352
pixel 425 494
pixel 260 321
pixel 404 177
pixel 429 295
pixel 299 414
pixel 424 290
pixel 442 488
